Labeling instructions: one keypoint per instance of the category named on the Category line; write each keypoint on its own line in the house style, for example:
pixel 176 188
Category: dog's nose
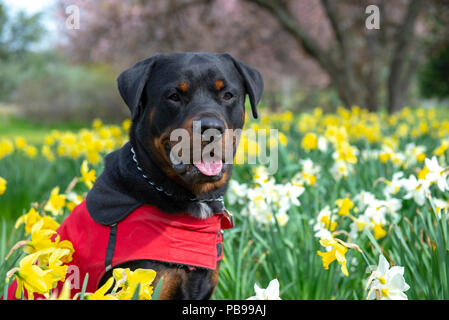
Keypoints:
pixel 212 123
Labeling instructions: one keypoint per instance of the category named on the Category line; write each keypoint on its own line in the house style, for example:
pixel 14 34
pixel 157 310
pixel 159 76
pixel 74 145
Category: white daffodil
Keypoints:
pixel 282 218
pixel 359 224
pixel 323 234
pixel 308 166
pixel 266 201
pixel 270 293
pixel 324 222
pixel 257 205
pixel 393 186
pixel 322 144
pixel 392 207
pixel 376 212
pixel 414 154
pixel 440 206
pixel 261 175
pixel 308 174
pixel 387 283
pixel 237 192
pixel 437 174
pixel 341 169
pixel 291 192
pixel 370 154
pixel 416 189
pixel 364 199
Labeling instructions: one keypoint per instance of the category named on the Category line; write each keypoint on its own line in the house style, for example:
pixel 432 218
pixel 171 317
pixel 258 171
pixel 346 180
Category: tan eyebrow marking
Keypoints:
pixel 219 84
pixel 183 86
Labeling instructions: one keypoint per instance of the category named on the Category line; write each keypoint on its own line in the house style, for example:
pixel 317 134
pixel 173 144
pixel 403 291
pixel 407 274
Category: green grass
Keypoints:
pixel 13 126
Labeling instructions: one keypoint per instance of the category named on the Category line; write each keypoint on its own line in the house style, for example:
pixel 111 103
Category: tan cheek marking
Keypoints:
pixel 172 281
pixel 219 84
pixel 183 86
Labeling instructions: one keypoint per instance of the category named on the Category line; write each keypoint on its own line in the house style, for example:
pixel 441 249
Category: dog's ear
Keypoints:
pixel 132 81
pixel 253 82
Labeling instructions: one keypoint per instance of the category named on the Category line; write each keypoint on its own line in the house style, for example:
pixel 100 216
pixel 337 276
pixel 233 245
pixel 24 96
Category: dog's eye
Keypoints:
pixel 174 97
pixel 228 96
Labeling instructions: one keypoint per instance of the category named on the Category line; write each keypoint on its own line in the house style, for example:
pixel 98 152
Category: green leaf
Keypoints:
pixel 83 290
pixel 136 292
pixel 157 291
pixel 5 290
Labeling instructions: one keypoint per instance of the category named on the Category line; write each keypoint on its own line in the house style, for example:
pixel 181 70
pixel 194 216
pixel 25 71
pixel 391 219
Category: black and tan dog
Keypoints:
pixel 167 92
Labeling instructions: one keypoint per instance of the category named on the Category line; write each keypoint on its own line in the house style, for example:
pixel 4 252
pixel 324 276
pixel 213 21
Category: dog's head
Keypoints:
pixel 201 94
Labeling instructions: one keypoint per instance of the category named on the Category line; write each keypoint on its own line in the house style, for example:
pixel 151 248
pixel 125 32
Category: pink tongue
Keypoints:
pixel 210 168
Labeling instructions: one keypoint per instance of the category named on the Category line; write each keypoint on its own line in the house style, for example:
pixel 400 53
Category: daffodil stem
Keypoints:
pixel 10 273
pixel 365 258
pixel 71 185
pixel 18 245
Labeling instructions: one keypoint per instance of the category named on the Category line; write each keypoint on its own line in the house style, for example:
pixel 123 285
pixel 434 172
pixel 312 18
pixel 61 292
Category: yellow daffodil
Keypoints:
pixel 337 252
pixel 30 151
pixel 47 153
pixel 31 217
pixel 282 139
pixel 100 294
pixel 104 133
pixel 441 150
pixel 384 157
pixel 32 278
pixel 344 206
pixel 73 200
pixel 423 173
pixel 93 157
pixel 97 123
pixel 3 183
pixel 310 141
pixel 49 140
pixel 55 264
pixel 87 176
pixel 66 245
pixel 346 152
pixel 420 157
pixel 21 143
pixel 328 224
pixel 64 294
pixel 40 238
pixel 56 202
pixel 115 131
pixel 6 148
pixel 68 139
pixel 126 125
pixel 42 242
pixel 309 178
pixel 127 283
pixel 379 232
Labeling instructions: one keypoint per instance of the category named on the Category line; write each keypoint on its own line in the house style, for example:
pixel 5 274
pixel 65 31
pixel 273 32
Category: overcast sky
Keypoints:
pixel 33 6
pixel 30 6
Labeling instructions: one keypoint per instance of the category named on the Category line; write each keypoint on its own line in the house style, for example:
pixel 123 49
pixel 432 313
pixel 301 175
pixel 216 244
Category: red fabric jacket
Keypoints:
pixel 146 233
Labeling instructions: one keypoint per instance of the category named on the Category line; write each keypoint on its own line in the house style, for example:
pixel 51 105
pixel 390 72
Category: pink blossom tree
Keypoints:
pixel 315 42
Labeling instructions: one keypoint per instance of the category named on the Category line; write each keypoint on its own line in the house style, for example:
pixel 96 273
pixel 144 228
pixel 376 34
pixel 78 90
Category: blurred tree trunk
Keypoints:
pixel 353 86
pixel 399 78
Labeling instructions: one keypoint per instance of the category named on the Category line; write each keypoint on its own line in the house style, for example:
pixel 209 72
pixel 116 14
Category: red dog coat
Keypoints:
pixel 146 233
